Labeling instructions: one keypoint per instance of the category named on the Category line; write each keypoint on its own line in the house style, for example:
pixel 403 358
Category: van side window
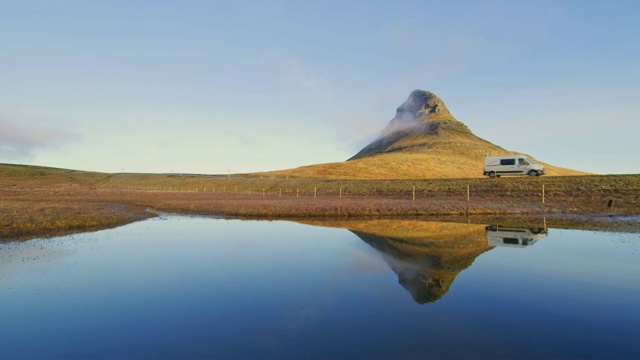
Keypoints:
pixel 510 241
pixel 507 161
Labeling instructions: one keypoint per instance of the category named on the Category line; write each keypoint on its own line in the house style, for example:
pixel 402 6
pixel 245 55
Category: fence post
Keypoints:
pixel 414 192
pixel 315 191
pixel 543 193
pixel 279 192
pixel 297 192
pixel 468 193
pixel 340 192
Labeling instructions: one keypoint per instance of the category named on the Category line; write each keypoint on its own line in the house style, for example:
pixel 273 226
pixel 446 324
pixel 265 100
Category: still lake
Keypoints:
pixel 198 287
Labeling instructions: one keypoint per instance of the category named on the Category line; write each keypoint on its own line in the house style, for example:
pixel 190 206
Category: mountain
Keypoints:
pixel 420 123
pixel 423 140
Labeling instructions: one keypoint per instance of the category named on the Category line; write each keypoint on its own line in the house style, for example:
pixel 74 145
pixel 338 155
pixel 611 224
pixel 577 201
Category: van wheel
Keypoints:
pixel 533 173
pixel 492 174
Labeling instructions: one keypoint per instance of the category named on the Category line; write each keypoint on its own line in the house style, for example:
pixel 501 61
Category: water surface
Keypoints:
pixel 189 287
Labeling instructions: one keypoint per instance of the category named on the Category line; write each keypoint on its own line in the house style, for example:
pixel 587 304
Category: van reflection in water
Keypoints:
pixel 514 237
pixel 427 256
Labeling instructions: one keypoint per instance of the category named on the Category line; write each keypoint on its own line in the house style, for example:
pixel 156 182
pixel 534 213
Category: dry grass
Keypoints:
pixel 418 156
pixel 405 166
pixel 40 201
pixel 25 213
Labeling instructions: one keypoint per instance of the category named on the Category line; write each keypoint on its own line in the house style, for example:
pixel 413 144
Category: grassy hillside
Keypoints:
pixel 27 175
pixel 439 164
pixel 33 177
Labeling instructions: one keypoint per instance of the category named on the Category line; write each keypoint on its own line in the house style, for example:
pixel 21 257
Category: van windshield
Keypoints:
pixel 530 161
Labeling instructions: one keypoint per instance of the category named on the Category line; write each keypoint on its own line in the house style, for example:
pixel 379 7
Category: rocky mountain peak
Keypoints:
pixel 423 111
pixel 422 114
pixel 422 104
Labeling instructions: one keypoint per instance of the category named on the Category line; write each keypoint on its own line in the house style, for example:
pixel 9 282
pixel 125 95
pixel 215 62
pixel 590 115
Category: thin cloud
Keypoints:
pixel 296 74
pixel 20 143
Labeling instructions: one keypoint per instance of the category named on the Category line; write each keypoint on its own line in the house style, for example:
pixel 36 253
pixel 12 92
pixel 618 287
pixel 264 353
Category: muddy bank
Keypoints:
pixel 27 212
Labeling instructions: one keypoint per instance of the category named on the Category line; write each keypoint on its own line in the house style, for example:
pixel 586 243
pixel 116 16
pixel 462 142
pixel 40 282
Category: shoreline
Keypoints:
pixel 48 212
pixel 36 202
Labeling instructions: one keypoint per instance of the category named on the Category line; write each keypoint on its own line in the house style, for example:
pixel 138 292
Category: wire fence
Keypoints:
pixel 534 190
pixel 412 193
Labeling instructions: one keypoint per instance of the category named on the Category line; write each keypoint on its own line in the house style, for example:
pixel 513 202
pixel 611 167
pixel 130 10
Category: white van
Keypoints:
pixel 513 237
pixel 495 166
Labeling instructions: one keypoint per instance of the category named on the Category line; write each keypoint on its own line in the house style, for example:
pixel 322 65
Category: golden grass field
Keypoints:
pixel 450 155
pixel 38 201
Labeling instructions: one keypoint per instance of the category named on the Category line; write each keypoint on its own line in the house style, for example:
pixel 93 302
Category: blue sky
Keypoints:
pixel 213 87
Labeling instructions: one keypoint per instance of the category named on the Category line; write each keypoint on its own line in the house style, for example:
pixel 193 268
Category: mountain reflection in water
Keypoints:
pixel 194 287
pixel 426 256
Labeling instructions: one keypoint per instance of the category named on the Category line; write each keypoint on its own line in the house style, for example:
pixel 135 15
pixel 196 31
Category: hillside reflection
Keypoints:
pixel 426 256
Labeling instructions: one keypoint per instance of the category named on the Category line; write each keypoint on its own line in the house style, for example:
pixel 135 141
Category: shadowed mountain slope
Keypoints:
pixel 423 140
